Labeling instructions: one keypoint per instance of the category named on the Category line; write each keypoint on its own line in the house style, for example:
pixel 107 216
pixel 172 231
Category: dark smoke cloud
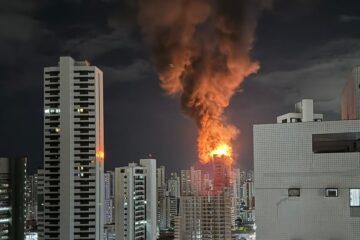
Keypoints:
pixel 201 51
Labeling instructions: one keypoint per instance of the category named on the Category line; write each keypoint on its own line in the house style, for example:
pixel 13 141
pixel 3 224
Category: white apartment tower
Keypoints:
pixel 73 151
pixel 135 201
pixel 307 179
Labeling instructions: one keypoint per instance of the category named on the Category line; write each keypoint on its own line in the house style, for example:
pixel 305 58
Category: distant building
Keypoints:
pixel 249 196
pixel 173 185
pixel 222 173
pixel 12 195
pixel 31 200
pixel 173 199
pixel 206 217
pixel 205 210
pixel 350 98
pixel 135 201
pixel 161 190
pixel 304 112
pixel 40 205
pixel 191 182
pixel 109 179
pixel 73 151
pixel 307 178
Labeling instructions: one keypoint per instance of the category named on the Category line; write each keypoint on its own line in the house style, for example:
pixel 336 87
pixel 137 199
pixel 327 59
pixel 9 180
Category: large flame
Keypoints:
pixel 201 51
pixel 221 150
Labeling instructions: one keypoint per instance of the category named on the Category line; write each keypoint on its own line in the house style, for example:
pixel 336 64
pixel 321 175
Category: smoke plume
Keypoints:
pixel 201 51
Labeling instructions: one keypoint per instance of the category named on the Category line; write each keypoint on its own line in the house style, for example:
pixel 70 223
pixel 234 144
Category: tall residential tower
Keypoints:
pixel 135 201
pixel 307 178
pixel 12 195
pixel 73 151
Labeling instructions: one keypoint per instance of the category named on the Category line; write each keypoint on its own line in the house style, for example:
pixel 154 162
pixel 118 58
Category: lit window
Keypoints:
pixel 354 197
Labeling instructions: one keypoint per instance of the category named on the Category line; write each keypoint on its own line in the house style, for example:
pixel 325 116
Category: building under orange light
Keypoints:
pixel 100 155
pixel 221 171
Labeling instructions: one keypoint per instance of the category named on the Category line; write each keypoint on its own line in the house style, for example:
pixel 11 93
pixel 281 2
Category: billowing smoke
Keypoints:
pixel 201 51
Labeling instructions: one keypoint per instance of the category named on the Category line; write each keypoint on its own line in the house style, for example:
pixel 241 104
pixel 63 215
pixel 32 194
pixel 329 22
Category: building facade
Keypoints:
pixel 307 179
pixel 161 190
pixel 109 185
pixel 73 151
pixel 205 204
pixel 40 204
pixel 206 217
pixel 135 201
pixel 350 98
pixel 12 195
pixel 31 199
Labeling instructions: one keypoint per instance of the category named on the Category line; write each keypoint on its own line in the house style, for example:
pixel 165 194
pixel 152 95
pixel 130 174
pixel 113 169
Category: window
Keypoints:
pixel 355 197
pixel 336 142
pixel 331 192
pixel 294 192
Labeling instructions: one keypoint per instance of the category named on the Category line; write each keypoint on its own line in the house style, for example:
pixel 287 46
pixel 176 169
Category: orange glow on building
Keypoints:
pixel 100 155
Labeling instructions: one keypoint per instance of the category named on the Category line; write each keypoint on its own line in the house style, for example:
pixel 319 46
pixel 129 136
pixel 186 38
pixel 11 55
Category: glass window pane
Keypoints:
pixel 354 197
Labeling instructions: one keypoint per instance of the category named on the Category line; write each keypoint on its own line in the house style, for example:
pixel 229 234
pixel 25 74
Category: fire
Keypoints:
pixel 221 150
pixel 201 50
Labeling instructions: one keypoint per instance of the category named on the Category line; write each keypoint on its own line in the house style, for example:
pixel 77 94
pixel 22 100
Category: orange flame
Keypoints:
pixel 221 150
pixel 100 155
pixel 201 50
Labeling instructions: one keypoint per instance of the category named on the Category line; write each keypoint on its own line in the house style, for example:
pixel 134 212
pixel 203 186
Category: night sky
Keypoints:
pixel 306 48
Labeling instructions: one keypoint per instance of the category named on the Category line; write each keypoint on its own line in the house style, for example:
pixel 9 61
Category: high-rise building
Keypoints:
pixel 40 204
pixel 173 185
pixel 249 196
pixel 206 217
pixel 160 176
pixel 31 201
pixel 350 98
pixel 73 151
pixel 191 182
pixel 12 195
pixel 161 190
pixel 222 173
pixel 307 179
pixel 135 201
pixel 204 212
pixel 109 178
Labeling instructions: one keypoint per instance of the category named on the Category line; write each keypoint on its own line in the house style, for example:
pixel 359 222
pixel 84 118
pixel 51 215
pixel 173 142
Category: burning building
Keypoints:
pixel 221 173
pixel 201 50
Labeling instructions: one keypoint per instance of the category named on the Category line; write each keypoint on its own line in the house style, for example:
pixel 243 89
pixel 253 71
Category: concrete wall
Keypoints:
pixel 284 159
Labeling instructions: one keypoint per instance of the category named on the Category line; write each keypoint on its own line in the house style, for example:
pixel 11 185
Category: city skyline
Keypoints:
pixel 289 72
pixel 157 119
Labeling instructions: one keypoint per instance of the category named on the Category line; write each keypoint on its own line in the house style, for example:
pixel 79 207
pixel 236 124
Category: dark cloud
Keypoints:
pixel 347 18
